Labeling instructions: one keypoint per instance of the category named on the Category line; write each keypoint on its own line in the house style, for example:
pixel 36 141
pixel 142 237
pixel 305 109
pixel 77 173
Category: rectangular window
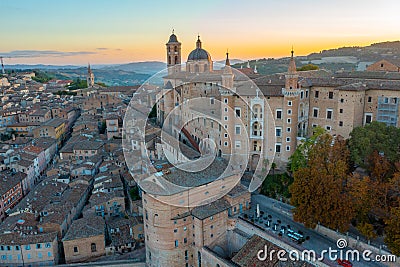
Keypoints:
pixel 226 100
pixel 341 110
pixel 225 143
pixel 329 113
pixel 287 139
pixel 316 94
pixel 301 94
pixel 238 112
pixel 289 111
pixel 287 148
pixel 289 120
pixel 176 243
pixel 315 112
pixel 369 99
pixel 288 129
pixel 279 114
pixel 330 95
pixel 76 250
pixel 340 123
pixel 212 101
pixel 306 93
pixel 368 118
pixel 328 128
pixel 278 132
pixel 226 118
pixel 237 129
pixel 278 148
pixel 289 103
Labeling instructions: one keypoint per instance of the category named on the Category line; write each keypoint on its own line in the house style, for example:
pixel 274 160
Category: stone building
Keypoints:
pixel 85 239
pixel 385 65
pixel 178 225
pixel 283 111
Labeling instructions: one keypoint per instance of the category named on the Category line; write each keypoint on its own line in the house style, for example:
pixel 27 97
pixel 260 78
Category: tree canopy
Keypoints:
pixel 375 136
pixel 319 191
pixel 299 157
pixel 308 67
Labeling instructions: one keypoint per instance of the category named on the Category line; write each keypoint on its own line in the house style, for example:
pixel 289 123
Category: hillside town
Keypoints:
pixel 65 193
pixel 70 193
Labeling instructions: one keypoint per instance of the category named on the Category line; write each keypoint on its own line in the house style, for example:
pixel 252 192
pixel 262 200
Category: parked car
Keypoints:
pixel 344 263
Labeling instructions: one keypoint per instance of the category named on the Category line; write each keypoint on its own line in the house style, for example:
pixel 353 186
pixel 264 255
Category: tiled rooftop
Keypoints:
pixel 85 227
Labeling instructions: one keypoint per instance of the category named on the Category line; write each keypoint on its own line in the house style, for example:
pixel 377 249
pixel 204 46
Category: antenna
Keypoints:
pixel 2 66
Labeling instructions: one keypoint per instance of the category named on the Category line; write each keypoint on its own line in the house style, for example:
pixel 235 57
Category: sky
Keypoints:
pixel 122 31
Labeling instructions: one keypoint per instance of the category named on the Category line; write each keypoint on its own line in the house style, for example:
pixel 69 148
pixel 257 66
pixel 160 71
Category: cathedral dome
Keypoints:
pixel 199 53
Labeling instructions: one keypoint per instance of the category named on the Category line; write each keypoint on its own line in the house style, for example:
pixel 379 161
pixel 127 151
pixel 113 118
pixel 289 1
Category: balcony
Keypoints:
pixel 256 135
pixel 290 92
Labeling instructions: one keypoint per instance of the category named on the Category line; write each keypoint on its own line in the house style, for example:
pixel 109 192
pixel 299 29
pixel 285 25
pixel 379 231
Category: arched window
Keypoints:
pixel 93 247
pixel 169 59
pixel 176 60
pixel 176 49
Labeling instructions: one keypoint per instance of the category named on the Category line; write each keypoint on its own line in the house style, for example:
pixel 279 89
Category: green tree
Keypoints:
pixel 308 67
pixel 376 136
pixel 300 155
pixel 319 191
pixel 41 76
pixel 78 84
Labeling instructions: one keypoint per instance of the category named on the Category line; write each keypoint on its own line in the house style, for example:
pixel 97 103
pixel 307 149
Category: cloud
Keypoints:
pixel 102 48
pixel 43 53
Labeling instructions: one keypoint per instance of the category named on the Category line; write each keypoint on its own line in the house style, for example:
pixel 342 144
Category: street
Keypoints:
pixel 280 214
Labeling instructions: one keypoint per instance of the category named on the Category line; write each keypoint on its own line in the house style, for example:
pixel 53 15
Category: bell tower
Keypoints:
pixel 291 101
pixel 173 54
pixel 90 77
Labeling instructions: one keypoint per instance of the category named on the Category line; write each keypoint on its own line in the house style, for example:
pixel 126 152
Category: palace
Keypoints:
pixel 263 117
pixel 296 102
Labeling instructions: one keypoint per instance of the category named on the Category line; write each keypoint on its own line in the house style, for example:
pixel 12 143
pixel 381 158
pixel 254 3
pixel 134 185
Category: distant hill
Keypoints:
pixel 147 67
pixel 344 58
pixel 110 77
pixel 38 66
